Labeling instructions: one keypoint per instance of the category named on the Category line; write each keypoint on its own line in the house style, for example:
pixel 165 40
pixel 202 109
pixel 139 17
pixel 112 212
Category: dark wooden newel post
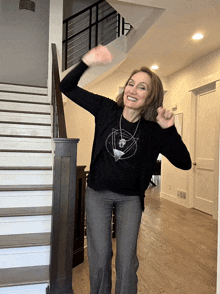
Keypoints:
pixel 63 212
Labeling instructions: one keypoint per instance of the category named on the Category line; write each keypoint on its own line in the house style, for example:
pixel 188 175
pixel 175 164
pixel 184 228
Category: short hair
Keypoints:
pixel 154 99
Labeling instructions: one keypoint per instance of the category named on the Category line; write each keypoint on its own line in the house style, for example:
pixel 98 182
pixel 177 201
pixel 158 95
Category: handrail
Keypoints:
pixel 59 126
pixel 89 25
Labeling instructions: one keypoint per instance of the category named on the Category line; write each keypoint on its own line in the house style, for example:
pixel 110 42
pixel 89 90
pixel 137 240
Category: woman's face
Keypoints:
pixel 136 91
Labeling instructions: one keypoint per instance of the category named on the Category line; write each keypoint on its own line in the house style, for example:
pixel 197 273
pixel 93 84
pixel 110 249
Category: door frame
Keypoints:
pixel 194 93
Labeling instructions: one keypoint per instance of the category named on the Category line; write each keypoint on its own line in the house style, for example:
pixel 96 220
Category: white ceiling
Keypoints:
pixel 168 42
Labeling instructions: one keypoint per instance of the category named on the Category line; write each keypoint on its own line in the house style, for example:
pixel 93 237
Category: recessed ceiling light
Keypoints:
pixel 197 36
pixel 154 66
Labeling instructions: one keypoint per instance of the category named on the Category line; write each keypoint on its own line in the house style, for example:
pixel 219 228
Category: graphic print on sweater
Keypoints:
pixel 121 144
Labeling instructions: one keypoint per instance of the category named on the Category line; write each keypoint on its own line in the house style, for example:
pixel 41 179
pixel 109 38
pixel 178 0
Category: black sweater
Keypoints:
pixel 126 170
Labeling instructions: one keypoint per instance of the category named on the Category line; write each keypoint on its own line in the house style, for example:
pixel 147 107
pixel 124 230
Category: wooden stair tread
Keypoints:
pixel 26 168
pixel 25 240
pixel 28 102
pixel 25 136
pixel 23 85
pixel 25 211
pixel 22 92
pixel 25 151
pixel 25 123
pixel 24 275
pixel 20 111
pixel 26 188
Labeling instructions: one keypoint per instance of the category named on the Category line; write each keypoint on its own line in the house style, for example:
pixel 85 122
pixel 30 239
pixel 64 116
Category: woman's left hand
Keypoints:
pixel 165 118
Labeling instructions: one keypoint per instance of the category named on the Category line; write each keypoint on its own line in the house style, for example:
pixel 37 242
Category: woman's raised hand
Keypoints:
pixel 165 118
pixel 99 54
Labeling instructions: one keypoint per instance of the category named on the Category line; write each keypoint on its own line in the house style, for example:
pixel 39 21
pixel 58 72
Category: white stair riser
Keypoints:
pixel 26 89
pixel 25 118
pixel 24 97
pixel 29 177
pixel 25 225
pixel 12 106
pixel 26 159
pixel 24 257
pixel 28 289
pixel 25 130
pixel 25 199
pixel 25 144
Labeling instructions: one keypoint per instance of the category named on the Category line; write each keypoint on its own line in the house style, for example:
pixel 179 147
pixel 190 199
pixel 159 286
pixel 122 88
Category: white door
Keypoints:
pixel 206 152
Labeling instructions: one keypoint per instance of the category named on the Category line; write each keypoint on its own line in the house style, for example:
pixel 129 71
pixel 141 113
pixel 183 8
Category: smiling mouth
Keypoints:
pixel 132 99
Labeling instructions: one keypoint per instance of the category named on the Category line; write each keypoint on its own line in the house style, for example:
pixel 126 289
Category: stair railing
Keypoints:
pixel 97 24
pixel 64 194
pixel 59 126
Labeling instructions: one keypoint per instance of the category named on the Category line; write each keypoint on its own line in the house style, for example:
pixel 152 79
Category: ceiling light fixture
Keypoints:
pixel 154 66
pixel 27 4
pixel 197 36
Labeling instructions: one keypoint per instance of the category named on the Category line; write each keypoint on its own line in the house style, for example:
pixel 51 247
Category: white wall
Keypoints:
pixel 218 255
pixel 201 72
pixel 24 43
pixel 55 36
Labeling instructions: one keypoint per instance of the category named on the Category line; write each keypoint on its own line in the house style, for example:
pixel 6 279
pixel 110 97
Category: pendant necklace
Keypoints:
pixel 122 141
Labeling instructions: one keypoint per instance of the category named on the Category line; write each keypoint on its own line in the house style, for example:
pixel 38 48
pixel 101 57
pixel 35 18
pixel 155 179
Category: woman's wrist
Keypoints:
pixel 87 60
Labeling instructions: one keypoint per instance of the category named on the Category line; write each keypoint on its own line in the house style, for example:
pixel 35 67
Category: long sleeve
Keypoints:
pixel 69 87
pixel 71 80
pixel 175 150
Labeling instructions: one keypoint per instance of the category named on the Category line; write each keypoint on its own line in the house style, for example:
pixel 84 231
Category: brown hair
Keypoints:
pixel 154 98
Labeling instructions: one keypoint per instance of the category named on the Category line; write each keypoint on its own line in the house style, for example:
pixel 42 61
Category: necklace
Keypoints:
pixel 123 141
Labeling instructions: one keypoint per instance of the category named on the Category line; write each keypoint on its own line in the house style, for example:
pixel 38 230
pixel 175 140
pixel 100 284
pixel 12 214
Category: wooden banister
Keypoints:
pixel 64 194
pixel 59 125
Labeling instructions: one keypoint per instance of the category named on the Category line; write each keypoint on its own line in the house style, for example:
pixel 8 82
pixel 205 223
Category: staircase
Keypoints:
pixel 25 188
pixel 98 23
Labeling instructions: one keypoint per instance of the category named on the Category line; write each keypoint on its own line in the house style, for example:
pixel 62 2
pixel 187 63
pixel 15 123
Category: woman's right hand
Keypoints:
pixel 97 55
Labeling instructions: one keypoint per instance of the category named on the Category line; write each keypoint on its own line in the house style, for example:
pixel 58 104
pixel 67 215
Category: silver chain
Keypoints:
pixel 123 141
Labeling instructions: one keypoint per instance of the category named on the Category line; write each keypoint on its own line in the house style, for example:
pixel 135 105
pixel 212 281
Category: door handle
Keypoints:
pixel 194 163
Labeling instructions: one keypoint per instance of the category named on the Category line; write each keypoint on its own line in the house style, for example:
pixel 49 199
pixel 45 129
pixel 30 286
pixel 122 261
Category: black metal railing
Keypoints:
pixel 97 24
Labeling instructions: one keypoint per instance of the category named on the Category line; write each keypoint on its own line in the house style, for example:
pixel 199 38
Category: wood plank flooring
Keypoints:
pixel 177 250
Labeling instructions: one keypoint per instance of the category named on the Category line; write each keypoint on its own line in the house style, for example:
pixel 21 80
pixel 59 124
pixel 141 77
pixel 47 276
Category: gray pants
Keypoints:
pixel 99 207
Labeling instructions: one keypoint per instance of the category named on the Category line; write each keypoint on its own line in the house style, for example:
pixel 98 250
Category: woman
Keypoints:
pixel 126 146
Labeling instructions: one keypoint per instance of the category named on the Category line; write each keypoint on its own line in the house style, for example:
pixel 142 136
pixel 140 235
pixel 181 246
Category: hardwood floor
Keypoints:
pixel 177 250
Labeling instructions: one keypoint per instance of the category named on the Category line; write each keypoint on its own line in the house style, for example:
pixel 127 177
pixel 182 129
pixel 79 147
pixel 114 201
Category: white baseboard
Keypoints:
pixel 174 199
